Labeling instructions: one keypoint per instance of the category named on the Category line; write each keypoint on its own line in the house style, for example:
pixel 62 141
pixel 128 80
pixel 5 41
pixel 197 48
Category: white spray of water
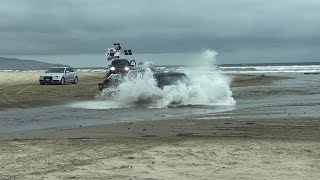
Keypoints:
pixel 208 87
pixel 97 104
pixel 209 84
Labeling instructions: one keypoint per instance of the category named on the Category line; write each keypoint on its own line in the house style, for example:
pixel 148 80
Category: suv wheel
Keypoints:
pixel 62 81
pixel 75 81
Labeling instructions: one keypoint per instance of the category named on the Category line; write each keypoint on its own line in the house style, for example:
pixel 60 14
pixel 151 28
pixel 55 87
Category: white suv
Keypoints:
pixel 59 75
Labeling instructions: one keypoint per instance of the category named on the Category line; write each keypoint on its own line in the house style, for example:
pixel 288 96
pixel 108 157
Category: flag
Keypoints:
pixel 111 53
pixel 117 54
pixel 118 48
pixel 128 52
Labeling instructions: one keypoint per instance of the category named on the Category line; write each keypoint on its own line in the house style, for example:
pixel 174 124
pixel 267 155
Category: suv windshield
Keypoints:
pixel 56 70
pixel 121 62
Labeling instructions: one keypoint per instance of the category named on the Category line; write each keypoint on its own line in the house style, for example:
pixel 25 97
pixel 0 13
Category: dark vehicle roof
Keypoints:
pixel 170 78
pixel 169 74
pixel 120 62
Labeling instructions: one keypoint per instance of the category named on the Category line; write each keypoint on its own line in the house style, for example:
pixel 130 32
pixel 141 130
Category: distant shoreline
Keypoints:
pixel 8 64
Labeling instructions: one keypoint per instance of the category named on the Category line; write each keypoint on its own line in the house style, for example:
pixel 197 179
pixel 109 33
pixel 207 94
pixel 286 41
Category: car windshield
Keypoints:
pixel 121 62
pixel 56 70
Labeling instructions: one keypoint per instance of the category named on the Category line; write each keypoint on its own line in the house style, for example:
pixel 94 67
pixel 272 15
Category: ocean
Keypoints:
pixel 260 68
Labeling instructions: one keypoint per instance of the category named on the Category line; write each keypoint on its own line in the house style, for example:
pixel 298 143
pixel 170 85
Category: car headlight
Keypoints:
pixel 112 68
pixel 126 68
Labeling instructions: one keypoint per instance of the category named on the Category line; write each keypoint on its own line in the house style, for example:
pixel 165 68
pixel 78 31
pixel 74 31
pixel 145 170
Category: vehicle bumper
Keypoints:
pixel 54 81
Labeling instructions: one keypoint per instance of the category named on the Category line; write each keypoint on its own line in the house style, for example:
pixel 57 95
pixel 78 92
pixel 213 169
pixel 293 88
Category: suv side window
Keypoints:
pixel 70 70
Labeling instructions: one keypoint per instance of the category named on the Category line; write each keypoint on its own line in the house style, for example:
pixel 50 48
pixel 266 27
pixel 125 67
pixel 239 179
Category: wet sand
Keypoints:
pixel 211 147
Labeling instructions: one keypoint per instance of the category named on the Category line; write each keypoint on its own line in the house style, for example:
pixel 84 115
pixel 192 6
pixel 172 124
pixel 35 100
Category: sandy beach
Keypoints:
pixel 22 90
pixel 250 144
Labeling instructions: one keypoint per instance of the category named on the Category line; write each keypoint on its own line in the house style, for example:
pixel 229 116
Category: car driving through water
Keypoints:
pixel 59 75
pixel 162 79
pixel 171 78
pixel 120 66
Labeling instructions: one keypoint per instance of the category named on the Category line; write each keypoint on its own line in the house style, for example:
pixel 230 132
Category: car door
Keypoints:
pixel 68 75
pixel 71 74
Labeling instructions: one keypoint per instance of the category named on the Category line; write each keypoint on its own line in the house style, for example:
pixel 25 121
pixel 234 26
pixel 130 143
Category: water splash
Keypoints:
pixel 208 87
pixel 209 56
pixel 209 84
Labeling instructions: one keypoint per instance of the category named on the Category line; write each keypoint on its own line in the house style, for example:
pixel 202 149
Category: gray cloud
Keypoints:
pixel 152 26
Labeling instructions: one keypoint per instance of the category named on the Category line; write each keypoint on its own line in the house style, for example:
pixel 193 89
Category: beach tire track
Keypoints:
pixel 21 91
pixel 93 88
pixel 3 87
pixel 8 97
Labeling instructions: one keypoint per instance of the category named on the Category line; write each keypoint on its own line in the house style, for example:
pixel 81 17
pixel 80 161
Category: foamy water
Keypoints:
pixel 256 69
pixel 98 104
pixel 208 87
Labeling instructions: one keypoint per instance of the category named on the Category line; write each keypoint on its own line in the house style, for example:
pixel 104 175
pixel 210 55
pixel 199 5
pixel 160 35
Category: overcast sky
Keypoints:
pixel 239 30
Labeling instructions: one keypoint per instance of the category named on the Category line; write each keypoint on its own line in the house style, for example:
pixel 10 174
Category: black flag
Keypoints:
pixel 128 52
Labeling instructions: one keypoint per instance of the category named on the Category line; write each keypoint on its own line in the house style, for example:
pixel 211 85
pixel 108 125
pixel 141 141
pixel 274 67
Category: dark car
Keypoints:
pixel 170 78
pixel 163 79
pixel 120 66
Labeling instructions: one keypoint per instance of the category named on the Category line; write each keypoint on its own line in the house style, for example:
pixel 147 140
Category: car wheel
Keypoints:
pixel 108 74
pixel 75 81
pixel 62 81
pixel 42 83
